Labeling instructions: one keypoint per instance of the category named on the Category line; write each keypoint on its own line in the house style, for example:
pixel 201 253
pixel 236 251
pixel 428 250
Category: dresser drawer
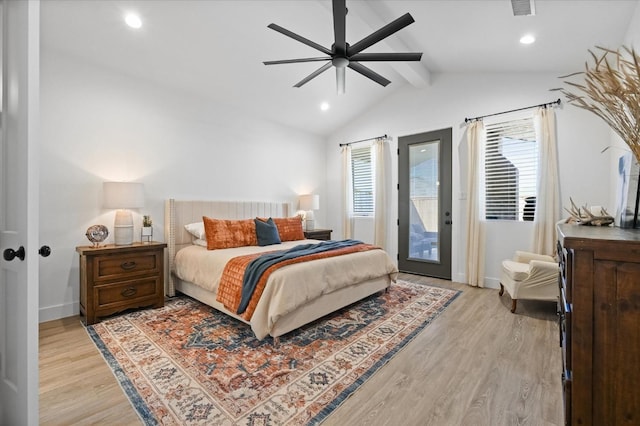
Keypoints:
pixel 566 258
pixel 110 267
pixel 127 292
pixel 566 393
pixel 565 332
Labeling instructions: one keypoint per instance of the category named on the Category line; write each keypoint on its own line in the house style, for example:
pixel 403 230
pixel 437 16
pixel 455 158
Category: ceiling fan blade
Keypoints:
pixel 314 74
pixel 340 80
pixel 386 57
pixel 299 38
pixel 382 33
pixel 293 61
pixel 369 73
pixel 339 24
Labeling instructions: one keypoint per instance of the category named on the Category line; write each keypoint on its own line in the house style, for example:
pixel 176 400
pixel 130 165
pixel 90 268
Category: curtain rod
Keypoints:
pixel 364 140
pixel 467 120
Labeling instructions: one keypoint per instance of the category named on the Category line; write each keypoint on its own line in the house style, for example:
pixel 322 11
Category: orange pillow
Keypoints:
pixel 229 233
pixel 289 228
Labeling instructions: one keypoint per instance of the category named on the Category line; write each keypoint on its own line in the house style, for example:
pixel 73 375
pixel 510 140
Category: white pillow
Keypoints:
pixel 197 230
pixel 200 242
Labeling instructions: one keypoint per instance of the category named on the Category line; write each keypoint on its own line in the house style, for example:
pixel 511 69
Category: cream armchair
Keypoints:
pixel 529 276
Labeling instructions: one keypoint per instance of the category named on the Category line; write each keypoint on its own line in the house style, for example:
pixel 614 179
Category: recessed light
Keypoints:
pixel 527 39
pixel 133 20
pixel 324 106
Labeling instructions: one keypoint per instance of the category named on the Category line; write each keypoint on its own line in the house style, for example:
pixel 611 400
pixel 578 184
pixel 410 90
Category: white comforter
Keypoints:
pixel 289 287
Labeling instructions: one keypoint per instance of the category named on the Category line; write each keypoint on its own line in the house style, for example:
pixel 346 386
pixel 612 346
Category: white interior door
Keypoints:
pixel 19 213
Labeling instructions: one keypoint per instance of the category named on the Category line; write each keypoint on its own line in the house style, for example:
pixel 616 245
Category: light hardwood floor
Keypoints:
pixel 476 364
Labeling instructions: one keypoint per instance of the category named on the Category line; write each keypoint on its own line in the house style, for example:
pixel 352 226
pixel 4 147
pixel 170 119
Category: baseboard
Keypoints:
pixel 488 282
pixel 51 313
pixel 491 282
pixel 460 278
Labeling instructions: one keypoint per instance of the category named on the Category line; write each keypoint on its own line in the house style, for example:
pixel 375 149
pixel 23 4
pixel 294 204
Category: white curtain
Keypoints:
pixel 476 138
pixel 347 216
pixel 380 200
pixel 548 198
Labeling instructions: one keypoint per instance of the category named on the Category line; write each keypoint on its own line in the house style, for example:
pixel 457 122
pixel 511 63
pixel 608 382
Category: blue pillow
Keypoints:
pixel 267 232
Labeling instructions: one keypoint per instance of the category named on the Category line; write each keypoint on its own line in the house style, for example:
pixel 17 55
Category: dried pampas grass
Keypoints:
pixel 612 92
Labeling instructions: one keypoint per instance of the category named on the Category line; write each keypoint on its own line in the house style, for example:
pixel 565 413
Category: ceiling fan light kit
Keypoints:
pixel 342 55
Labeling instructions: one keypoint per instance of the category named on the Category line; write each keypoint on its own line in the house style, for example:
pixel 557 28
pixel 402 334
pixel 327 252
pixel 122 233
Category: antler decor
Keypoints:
pixel 612 92
pixel 585 217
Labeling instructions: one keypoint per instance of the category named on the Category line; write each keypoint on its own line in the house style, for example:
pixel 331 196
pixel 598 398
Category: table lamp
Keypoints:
pixel 123 196
pixel 309 203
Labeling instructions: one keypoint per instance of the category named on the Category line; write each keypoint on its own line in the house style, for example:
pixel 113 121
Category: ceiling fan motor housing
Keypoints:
pixel 340 62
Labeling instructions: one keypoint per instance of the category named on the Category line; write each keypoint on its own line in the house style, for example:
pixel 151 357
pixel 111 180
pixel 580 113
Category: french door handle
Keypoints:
pixel 447 222
pixel 10 254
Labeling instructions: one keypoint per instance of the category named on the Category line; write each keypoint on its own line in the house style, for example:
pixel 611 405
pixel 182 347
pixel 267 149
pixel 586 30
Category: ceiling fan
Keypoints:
pixel 342 55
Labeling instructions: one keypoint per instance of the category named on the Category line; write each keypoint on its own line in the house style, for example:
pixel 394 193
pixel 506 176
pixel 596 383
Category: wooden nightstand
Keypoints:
pixel 318 234
pixel 114 278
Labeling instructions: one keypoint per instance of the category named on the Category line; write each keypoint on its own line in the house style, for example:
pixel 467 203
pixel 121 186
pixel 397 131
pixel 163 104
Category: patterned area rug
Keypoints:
pixel 187 363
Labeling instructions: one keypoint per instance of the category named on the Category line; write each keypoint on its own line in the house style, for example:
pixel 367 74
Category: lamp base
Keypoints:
pixel 309 221
pixel 123 228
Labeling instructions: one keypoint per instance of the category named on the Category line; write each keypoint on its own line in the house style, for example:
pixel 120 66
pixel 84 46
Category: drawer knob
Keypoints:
pixel 128 292
pixel 128 265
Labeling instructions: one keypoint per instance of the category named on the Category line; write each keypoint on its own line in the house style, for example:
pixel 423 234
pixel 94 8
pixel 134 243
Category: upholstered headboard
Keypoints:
pixel 178 213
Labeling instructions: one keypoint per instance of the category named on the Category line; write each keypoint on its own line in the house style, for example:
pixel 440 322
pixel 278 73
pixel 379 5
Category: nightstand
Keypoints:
pixel 318 234
pixel 114 278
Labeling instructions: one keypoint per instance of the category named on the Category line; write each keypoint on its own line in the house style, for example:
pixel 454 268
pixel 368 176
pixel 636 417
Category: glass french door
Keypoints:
pixel 424 196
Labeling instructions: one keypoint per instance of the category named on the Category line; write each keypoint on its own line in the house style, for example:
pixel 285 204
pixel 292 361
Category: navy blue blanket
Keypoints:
pixel 259 265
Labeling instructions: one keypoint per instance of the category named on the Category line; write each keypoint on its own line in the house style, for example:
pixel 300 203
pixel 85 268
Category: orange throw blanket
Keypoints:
pixel 230 287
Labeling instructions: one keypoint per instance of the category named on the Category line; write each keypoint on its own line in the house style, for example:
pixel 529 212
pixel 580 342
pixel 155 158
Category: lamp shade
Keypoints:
pixel 309 202
pixel 123 195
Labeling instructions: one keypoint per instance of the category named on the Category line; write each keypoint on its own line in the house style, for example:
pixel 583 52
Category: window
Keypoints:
pixel 362 178
pixel 511 169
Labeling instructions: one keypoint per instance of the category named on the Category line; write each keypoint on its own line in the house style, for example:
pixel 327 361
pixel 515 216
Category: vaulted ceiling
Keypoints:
pixel 215 48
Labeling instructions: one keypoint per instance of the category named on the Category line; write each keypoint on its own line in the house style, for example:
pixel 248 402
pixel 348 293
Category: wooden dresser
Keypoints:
pixel 115 278
pixel 600 324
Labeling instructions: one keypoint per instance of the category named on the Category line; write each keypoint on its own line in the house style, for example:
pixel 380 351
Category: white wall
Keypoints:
pixel 98 125
pixel 584 171
pixel 617 146
pixel 632 38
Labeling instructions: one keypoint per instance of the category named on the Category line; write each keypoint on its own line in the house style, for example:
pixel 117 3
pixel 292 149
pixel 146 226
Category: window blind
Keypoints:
pixel 362 178
pixel 511 169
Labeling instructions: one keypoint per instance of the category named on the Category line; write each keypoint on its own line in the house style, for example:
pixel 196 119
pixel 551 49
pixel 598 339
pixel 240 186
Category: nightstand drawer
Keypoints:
pixel 318 234
pixel 125 291
pixel 113 267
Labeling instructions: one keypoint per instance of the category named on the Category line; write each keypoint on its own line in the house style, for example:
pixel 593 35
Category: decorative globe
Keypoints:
pixel 97 234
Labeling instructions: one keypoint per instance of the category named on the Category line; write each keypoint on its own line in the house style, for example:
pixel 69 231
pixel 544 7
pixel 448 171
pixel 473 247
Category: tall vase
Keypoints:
pixel 628 203
pixel 636 221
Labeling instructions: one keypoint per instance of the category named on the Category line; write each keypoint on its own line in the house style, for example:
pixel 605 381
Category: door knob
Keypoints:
pixel 10 254
pixel 44 251
pixel 447 222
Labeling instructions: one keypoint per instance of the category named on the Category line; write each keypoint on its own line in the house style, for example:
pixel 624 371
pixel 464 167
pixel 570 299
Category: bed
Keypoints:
pixel 322 286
